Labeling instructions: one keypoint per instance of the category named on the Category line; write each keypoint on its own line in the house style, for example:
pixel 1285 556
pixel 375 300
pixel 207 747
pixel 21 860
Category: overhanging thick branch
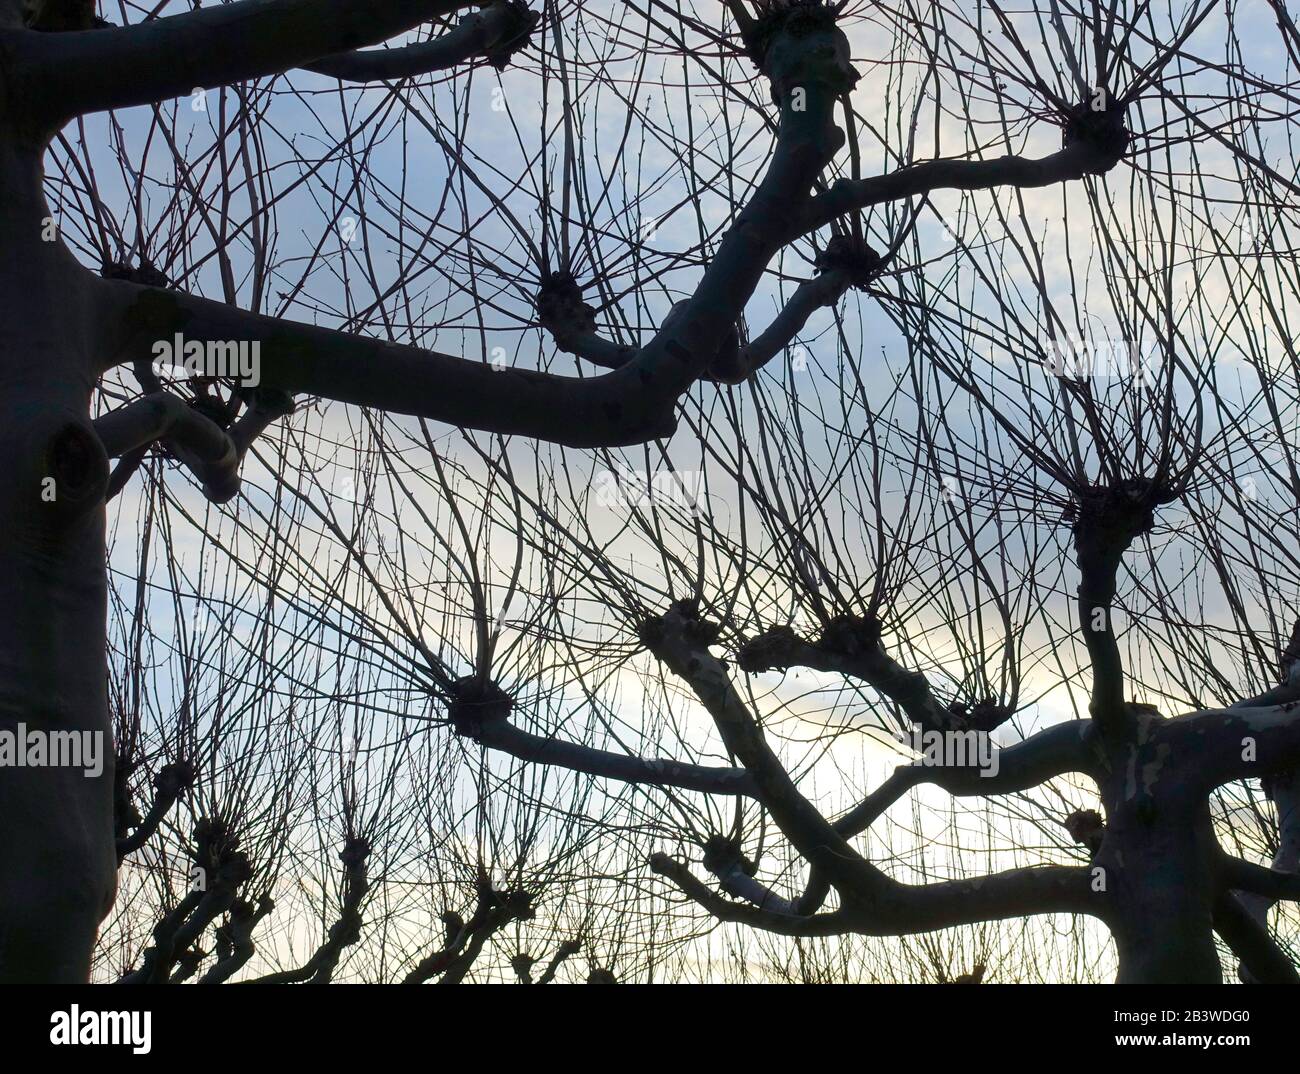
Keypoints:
pixel 1048 889
pixel 69 74
pixel 1272 884
pixel 493 33
pixel 629 405
pixel 903 909
pixel 1233 744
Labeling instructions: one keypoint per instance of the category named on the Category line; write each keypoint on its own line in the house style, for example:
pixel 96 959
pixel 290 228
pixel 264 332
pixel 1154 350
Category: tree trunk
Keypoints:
pixel 1166 938
pixel 57 860
pixel 1158 858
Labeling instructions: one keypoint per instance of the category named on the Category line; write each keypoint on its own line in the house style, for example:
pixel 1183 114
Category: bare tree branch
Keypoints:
pixel 494 33
pixel 73 73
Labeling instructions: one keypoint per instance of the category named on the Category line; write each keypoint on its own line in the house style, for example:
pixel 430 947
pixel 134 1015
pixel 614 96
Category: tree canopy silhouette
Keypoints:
pixel 503 477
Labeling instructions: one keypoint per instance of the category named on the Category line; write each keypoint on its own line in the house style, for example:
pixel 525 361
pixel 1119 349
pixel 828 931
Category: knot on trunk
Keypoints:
pixel 798 45
pixel 518 34
pixel 72 458
pixel 986 714
pixel 235 869
pixel 560 307
pixel 453 925
pixel 473 703
pixel 851 256
pixel 145 274
pixel 1273 783
pixel 347 929
pixel 242 916
pixel 70 476
pixel 217 853
pixel 850 635
pixel 1086 828
pixel 1099 124
pixel 221 412
pixel 681 620
pixel 723 854
pixel 273 402
pixel 354 854
pixel 1107 518
pixel 500 905
pixel 767 650
pixel 797 18
pixel 844 636
pixel 174 779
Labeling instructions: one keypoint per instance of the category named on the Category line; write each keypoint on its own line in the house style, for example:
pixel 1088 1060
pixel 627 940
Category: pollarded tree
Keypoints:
pixel 70 326
pixel 290 806
pixel 1069 482
pixel 72 330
